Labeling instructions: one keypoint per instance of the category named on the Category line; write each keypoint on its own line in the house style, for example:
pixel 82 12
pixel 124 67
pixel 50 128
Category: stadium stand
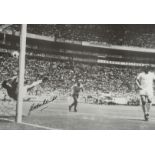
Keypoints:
pixel 128 35
pixel 117 79
pixel 110 34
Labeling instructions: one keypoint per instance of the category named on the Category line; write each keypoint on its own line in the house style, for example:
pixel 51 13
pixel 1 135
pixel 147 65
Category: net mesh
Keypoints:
pixel 7 108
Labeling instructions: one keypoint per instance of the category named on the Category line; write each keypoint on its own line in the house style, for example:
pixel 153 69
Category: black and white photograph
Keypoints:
pixel 77 77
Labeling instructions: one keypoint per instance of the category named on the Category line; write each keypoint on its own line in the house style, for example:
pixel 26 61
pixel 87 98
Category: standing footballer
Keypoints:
pixel 75 94
pixel 144 82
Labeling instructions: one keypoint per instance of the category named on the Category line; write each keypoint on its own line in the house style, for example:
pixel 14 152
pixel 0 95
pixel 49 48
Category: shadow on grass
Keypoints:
pixel 141 120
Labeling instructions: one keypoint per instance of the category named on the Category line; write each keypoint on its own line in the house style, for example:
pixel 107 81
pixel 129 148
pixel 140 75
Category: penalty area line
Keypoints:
pixel 29 124
pixel 39 126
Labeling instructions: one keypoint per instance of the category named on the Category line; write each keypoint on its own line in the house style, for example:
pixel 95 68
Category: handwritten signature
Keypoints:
pixel 45 102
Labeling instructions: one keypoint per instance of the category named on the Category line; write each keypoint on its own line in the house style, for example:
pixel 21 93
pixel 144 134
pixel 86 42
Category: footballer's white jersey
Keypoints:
pixel 146 83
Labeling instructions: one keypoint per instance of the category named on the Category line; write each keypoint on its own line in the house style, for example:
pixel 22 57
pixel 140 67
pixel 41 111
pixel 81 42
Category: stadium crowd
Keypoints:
pixel 128 35
pixel 108 34
pixel 116 79
pixel 119 80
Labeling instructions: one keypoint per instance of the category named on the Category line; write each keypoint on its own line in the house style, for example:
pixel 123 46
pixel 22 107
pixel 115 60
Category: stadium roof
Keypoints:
pixel 120 29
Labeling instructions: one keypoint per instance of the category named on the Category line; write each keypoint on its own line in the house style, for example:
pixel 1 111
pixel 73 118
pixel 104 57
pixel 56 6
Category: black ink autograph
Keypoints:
pixel 45 102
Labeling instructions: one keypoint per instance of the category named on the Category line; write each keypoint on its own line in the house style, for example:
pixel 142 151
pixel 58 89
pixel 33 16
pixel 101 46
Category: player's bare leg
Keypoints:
pixel 73 104
pixel 70 107
pixel 143 102
pixel 148 107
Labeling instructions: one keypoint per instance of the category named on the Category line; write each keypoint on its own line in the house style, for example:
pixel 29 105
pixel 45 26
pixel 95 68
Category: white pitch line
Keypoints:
pixel 39 126
pixel 28 124
pixel 6 119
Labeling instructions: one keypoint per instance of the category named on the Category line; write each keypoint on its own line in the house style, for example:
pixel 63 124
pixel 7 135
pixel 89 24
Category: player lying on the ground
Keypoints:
pixel 75 94
pixel 145 84
pixel 11 86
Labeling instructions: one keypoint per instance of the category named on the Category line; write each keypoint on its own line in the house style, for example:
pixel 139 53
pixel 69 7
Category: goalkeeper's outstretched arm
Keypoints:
pixel 36 83
pixel 33 84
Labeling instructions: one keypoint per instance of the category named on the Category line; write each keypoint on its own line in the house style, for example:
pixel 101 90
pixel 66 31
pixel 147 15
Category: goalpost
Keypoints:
pixel 21 72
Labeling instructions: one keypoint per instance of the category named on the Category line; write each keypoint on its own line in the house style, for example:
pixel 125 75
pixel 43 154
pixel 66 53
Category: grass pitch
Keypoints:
pixel 89 117
pixel 92 117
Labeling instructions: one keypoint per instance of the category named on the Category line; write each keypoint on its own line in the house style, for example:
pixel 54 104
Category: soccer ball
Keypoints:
pixel 15 54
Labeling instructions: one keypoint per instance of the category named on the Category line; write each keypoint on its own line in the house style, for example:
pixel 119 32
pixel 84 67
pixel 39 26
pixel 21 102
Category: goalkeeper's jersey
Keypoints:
pixel 12 88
